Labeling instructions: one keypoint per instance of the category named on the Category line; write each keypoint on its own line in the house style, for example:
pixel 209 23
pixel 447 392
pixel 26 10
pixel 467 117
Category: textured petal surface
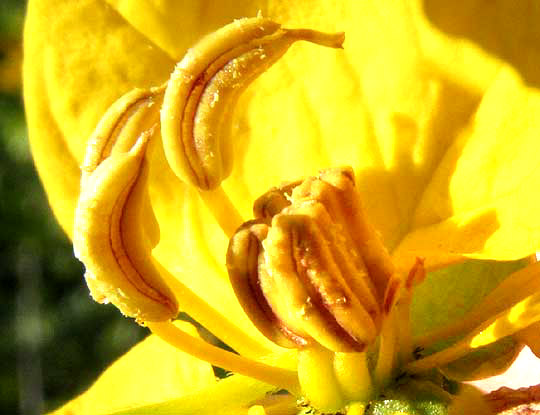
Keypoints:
pixel 151 372
pixel 504 28
pixel 78 60
pixel 233 395
pixel 479 201
pixel 437 181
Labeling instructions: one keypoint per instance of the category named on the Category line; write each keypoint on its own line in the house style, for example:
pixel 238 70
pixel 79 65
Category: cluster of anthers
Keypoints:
pixel 313 274
pixel 310 271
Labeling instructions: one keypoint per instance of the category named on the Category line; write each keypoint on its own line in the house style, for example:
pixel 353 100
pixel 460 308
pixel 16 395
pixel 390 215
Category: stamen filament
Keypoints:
pixel 214 321
pixel 223 210
pixel 514 288
pixel 403 317
pixel 387 350
pixel 282 378
pixel 440 358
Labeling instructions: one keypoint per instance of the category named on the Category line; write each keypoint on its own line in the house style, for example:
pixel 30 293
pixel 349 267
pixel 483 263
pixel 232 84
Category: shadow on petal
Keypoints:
pixel 504 28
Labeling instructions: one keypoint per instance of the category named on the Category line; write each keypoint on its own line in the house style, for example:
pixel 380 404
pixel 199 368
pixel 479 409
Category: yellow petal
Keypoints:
pixel 521 315
pixel 507 30
pixel 388 111
pixel 481 201
pixel 175 26
pixel 369 106
pixel 335 108
pixel 230 396
pixel 150 373
pixel 79 58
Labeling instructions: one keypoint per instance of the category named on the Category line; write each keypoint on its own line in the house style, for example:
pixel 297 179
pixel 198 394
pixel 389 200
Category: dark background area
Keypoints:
pixel 55 338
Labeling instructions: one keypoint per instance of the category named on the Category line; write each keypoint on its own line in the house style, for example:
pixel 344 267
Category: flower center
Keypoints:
pixel 312 273
pixel 310 269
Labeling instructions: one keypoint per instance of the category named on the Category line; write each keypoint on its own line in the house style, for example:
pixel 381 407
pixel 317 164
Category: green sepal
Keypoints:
pixel 431 394
pixel 412 397
pixel 490 360
pixel 447 294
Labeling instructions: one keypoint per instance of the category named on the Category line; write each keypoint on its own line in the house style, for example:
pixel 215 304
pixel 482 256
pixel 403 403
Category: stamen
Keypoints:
pixel 331 40
pixel 387 351
pixel 403 312
pixel 440 358
pixel 514 288
pixel 223 210
pixel 121 126
pixel 246 266
pixel 199 100
pixel 214 321
pixel 109 234
pixel 309 265
pixel 282 378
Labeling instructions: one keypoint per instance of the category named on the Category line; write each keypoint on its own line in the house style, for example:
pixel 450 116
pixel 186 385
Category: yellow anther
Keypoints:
pixel 319 300
pixel 109 237
pixel 121 125
pixel 245 263
pixel 273 201
pixel 200 96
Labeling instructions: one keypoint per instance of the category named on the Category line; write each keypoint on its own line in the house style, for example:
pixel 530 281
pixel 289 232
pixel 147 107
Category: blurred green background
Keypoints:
pixel 56 340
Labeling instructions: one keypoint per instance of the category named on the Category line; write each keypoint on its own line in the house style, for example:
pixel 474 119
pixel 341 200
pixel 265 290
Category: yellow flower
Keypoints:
pixel 441 134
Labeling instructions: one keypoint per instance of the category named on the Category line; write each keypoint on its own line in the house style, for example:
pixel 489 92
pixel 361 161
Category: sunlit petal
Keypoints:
pixel 480 201
pixel 150 373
